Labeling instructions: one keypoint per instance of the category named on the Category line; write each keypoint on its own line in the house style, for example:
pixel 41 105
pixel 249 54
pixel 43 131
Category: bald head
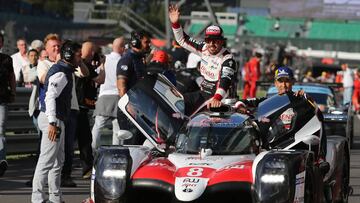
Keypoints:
pixel 87 51
pixel 118 45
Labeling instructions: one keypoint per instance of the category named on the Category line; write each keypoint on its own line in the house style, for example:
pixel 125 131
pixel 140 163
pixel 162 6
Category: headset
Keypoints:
pixel 135 40
pixel 68 50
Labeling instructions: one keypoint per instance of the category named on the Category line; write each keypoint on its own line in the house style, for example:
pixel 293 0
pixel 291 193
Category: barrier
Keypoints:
pixel 21 134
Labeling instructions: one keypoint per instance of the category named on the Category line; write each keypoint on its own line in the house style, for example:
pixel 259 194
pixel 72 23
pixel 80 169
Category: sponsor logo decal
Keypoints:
pixel 200 164
pixel 124 67
pixel 187 190
pixel 286 118
pixel 228 71
pixel 191 180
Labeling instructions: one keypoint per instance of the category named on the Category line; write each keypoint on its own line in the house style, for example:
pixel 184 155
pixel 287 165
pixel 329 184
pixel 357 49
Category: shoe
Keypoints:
pixel 3 167
pixel 87 174
pixel 68 182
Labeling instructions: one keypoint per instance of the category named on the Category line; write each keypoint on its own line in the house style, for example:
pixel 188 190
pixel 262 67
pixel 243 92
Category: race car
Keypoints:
pixel 217 155
pixel 338 118
pixel 338 121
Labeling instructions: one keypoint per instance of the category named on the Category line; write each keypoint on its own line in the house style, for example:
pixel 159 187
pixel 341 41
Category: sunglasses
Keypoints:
pixel 214 41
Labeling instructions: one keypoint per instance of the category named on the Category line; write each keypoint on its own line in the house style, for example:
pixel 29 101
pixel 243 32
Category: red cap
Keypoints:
pixel 160 56
pixel 214 32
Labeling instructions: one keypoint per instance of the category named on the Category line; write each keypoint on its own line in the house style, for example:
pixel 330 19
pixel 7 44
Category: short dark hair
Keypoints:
pixel 143 33
pixel 33 50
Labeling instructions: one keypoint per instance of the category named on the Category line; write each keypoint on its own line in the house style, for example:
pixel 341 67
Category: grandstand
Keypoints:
pixel 228 22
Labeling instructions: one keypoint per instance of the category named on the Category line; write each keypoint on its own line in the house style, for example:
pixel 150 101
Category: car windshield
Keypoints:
pixel 224 136
pixel 321 95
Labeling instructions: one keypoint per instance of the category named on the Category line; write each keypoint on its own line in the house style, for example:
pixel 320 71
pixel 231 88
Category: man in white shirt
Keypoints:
pixel 20 59
pixel 348 83
pixel 106 105
pixel 55 109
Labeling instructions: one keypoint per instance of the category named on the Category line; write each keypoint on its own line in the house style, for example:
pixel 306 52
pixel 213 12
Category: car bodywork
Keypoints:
pixel 338 125
pixel 212 156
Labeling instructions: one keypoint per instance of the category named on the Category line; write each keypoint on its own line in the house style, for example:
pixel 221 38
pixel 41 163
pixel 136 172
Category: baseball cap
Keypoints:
pixel 284 72
pixel 160 56
pixel 214 32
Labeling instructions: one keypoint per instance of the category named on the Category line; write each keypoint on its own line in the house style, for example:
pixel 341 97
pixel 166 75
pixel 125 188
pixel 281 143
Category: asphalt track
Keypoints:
pixel 13 189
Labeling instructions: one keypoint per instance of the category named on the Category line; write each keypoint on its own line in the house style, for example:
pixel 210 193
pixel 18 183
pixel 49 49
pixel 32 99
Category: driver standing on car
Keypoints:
pixel 284 81
pixel 217 64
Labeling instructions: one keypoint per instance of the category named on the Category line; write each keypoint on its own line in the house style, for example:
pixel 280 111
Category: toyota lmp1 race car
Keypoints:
pixel 217 154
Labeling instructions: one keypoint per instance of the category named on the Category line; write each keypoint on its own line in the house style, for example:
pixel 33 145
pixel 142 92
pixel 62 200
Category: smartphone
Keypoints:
pixel 58 132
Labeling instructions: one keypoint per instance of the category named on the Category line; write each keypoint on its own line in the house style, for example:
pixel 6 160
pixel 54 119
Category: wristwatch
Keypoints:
pixel 53 124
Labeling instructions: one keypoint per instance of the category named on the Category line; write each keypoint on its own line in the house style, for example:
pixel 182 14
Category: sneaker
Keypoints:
pixel 68 182
pixel 3 167
pixel 87 174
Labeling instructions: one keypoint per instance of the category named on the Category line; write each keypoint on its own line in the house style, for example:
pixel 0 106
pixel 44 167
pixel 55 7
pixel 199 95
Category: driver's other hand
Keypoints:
pixel 299 93
pixel 214 103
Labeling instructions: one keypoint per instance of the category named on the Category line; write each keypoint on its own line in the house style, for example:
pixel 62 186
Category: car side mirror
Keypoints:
pixel 311 140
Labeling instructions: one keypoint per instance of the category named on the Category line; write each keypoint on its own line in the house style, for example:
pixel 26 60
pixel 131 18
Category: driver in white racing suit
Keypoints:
pixel 284 81
pixel 217 64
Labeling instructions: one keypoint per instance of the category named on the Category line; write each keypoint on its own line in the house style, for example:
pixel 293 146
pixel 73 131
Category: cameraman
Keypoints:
pixel 86 91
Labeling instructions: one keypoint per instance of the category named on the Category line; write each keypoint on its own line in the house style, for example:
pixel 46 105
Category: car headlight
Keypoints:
pixel 111 174
pixel 273 181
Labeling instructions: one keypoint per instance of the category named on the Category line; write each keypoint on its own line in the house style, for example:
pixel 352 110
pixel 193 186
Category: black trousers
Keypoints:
pixel 84 137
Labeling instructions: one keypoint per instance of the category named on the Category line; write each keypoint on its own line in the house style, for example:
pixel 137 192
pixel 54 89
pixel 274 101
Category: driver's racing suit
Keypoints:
pixel 218 70
pixel 254 103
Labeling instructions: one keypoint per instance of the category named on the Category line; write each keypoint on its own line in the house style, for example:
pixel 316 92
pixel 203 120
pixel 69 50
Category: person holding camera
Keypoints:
pixel 86 92
pixel 55 109
pixel 130 69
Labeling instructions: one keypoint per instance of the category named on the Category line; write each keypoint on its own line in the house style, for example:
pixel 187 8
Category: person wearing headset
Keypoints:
pixel 130 69
pixel 55 109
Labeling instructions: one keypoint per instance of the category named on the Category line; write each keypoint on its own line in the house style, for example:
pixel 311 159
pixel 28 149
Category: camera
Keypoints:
pixel 96 57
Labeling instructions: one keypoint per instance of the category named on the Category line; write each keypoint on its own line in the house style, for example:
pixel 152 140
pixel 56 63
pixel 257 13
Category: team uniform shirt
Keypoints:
pixel 253 73
pixel 42 69
pixel 57 82
pixel 131 67
pixel 218 70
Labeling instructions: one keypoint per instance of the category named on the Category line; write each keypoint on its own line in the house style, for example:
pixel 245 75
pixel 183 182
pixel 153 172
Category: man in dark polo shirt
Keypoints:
pixel 130 69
